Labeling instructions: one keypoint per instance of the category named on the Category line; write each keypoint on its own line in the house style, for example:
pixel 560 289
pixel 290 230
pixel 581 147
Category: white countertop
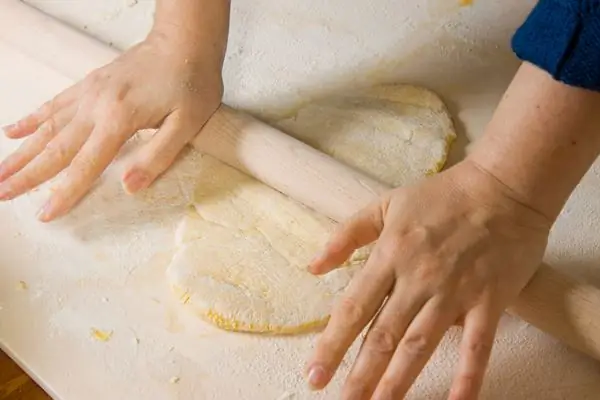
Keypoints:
pixel 102 266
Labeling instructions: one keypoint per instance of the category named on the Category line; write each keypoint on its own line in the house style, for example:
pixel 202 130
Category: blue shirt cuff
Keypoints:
pixel 563 38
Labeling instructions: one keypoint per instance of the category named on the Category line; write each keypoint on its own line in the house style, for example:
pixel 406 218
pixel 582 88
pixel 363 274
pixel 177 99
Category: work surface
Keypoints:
pixel 102 267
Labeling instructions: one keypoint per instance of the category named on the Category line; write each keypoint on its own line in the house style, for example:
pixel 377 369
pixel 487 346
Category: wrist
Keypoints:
pixel 494 180
pixel 197 29
pixel 174 39
pixel 541 140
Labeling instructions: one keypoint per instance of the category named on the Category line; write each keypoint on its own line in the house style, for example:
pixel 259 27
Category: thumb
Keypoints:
pixel 360 230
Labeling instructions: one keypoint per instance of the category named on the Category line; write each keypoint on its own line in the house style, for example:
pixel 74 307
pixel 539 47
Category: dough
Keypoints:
pixel 243 254
pixel 243 248
pixel 396 133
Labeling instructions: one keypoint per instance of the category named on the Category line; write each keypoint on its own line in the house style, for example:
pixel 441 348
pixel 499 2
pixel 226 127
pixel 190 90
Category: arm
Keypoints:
pixel 543 138
pixel 460 246
pixel 171 81
pixel 195 24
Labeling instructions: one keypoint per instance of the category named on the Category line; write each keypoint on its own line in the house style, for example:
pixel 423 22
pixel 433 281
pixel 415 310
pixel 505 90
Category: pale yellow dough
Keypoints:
pixel 395 133
pixel 244 248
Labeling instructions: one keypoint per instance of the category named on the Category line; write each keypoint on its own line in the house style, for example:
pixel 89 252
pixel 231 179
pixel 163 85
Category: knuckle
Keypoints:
pixel 114 124
pixel 111 109
pixel 381 340
pixel 479 346
pixel 83 169
pixel 389 249
pixel 348 235
pixel 46 109
pixel 416 345
pixel 468 379
pixel 466 386
pixel 49 127
pixel 428 270
pixel 420 234
pixel 97 76
pixel 93 83
pixel 57 151
pixel 350 311
pixel 50 107
pixel 355 388
pixel 387 390
pixel 161 163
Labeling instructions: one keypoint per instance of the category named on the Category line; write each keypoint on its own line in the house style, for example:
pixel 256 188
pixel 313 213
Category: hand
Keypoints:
pixel 456 247
pixel 156 84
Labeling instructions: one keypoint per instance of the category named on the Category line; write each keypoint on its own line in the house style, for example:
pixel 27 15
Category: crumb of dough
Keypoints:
pixel 185 298
pixel 22 285
pixel 101 336
pixel 174 380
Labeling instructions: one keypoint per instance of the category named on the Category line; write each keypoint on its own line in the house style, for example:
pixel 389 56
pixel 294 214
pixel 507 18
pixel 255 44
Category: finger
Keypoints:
pixel 96 154
pixel 476 346
pixel 415 348
pixel 29 124
pixel 361 229
pixel 350 315
pixel 55 157
pixel 382 340
pixel 157 156
pixel 35 144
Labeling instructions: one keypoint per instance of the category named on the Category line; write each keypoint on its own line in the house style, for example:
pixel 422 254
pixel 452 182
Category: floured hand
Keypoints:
pixel 156 84
pixel 456 247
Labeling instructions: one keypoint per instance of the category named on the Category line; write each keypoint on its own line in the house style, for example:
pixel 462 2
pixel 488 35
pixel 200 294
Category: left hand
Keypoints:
pixel 456 247
pixel 159 83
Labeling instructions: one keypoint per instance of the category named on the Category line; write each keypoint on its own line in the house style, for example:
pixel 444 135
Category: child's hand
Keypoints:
pixel 156 84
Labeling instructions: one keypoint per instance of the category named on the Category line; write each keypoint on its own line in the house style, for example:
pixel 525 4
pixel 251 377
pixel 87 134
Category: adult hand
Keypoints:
pixel 159 83
pixel 456 247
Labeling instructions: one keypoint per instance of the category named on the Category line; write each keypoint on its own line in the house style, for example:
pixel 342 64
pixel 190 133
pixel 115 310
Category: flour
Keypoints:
pixel 242 257
pixel 395 133
pixel 281 54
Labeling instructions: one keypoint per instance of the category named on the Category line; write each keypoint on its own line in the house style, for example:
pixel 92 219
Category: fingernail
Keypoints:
pixel 317 259
pixel 135 182
pixel 5 192
pixel 316 377
pixel 44 212
pixel 10 127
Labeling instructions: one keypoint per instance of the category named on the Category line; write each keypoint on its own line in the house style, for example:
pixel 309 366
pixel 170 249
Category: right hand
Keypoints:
pixel 159 83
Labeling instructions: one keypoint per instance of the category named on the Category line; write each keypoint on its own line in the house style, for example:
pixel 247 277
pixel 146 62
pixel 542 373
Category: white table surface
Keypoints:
pixel 102 266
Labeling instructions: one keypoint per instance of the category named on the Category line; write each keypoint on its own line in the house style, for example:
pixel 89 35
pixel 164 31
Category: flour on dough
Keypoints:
pixel 243 253
pixel 243 249
pixel 395 133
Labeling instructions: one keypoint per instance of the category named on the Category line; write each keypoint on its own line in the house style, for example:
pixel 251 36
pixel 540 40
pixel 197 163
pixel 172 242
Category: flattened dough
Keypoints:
pixel 396 133
pixel 242 257
pixel 243 248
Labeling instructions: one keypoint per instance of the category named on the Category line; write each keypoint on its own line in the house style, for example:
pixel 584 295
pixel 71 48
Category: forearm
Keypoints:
pixel 541 140
pixel 194 26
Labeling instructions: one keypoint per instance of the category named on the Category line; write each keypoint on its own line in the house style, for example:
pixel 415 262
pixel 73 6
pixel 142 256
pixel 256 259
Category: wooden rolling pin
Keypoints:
pixel 553 302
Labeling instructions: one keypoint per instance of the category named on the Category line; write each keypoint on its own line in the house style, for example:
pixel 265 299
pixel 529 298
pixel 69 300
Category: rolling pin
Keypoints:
pixel 553 302
pixel 557 304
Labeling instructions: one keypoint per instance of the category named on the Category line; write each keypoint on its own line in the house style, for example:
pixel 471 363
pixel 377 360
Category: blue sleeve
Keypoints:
pixel 563 38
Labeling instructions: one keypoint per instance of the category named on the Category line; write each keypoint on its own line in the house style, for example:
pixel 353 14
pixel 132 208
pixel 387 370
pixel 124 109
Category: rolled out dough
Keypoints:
pixel 396 133
pixel 243 248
